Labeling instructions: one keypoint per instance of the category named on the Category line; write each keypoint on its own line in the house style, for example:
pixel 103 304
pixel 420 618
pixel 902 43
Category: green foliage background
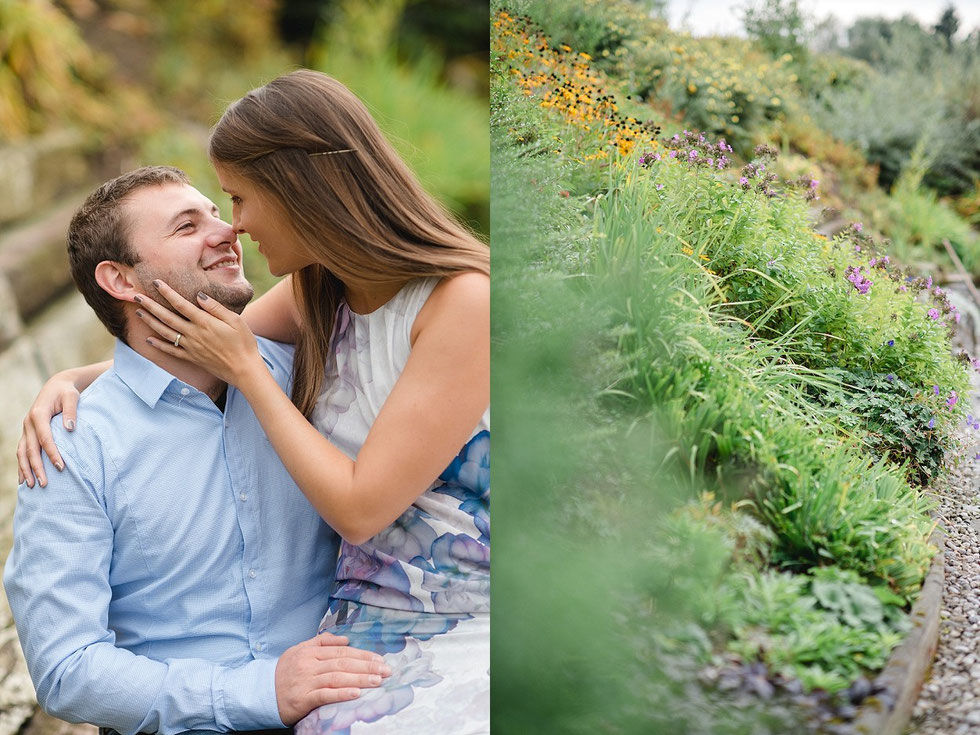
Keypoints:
pixel 148 78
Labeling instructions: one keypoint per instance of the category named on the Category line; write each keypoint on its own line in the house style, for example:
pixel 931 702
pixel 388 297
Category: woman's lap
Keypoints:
pixel 440 678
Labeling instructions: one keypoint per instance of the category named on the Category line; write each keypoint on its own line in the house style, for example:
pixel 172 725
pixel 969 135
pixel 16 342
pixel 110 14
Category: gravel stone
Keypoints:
pixel 948 703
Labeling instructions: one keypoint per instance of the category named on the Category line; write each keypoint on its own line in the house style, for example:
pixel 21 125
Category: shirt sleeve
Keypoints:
pixel 57 583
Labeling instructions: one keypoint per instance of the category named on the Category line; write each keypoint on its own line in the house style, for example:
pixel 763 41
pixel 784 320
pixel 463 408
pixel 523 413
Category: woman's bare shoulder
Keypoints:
pixel 462 299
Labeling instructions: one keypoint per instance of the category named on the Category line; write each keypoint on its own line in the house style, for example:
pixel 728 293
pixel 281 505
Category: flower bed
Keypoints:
pixel 776 399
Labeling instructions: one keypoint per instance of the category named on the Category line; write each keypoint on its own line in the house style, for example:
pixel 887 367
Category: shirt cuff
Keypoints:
pixel 245 696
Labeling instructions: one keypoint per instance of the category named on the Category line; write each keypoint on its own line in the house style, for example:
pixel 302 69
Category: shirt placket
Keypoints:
pixel 241 469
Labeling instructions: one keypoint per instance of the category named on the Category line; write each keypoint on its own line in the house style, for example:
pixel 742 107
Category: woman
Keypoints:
pixel 387 301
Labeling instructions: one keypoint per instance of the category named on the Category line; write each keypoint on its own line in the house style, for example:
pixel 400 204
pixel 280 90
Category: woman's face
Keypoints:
pixel 255 212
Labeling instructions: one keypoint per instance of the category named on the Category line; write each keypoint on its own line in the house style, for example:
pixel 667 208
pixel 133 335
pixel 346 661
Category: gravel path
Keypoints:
pixel 949 703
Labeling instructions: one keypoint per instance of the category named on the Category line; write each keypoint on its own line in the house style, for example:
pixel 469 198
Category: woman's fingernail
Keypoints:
pixel 138 299
pixel 385 671
pixel 157 283
pixel 70 424
pixel 59 465
pixel 139 313
pixel 202 296
pixel 149 341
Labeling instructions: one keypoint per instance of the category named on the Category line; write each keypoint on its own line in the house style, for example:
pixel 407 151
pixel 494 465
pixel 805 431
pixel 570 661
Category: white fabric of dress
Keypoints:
pixel 419 591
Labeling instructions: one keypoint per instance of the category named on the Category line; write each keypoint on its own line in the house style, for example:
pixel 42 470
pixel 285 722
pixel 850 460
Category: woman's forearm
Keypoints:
pixel 324 473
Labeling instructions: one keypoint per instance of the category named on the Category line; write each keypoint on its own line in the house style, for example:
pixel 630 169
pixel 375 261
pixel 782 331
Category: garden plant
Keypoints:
pixel 751 416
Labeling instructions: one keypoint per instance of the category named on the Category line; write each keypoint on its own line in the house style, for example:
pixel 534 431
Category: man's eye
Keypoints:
pixel 185 226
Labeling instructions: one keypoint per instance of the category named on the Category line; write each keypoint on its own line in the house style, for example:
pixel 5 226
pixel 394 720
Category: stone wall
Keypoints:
pixel 45 326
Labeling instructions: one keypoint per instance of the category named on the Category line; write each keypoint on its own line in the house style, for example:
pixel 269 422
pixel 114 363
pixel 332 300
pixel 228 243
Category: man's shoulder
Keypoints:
pixel 278 355
pixel 99 409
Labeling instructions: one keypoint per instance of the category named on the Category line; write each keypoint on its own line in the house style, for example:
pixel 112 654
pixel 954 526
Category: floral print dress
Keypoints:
pixel 419 591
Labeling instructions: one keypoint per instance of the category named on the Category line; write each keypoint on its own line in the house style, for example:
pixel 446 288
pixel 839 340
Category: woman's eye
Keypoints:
pixel 236 200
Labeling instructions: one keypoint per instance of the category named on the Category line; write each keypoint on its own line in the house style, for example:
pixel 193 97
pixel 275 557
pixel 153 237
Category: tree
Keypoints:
pixel 781 26
pixel 947 26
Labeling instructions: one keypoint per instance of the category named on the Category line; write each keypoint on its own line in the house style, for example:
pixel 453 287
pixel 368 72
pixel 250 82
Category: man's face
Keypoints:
pixel 179 237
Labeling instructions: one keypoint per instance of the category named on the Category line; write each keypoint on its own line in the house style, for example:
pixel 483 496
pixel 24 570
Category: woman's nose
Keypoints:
pixel 236 222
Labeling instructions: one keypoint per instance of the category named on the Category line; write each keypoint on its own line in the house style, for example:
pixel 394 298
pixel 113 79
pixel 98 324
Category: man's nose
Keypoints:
pixel 222 234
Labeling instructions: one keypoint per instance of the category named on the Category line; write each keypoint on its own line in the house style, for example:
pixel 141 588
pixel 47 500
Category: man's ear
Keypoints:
pixel 117 280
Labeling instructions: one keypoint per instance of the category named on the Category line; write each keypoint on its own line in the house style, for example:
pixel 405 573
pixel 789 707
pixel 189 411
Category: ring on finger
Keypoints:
pixel 177 339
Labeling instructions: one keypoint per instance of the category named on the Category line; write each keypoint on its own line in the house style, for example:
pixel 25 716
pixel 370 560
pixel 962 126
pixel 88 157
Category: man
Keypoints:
pixel 160 580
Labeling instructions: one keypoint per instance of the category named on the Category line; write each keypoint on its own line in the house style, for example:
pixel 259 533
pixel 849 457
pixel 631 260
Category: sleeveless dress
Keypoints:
pixel 418 592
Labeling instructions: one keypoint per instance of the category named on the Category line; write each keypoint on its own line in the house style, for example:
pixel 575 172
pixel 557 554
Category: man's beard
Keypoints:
pixel 234 298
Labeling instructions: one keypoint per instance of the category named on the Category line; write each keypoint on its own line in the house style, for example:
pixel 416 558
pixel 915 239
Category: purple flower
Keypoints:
pixel 891 343
pixel 977 457
pixel 857 279
pixel 692 155
pixel 771 263
pixel 744 182
pixel 711 162
pixel 902 288
pixel 659 187
pixel 813 183
pixel 956 317
pixel 928 283
pixel 890 378
pixel 672 154
pixel 935 389
pixel 858 227
pixel 933 314
pixel 932 423
pixel 953 398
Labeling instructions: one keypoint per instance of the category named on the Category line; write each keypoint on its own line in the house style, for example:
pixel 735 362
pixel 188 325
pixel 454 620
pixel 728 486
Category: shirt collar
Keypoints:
pixel 145 378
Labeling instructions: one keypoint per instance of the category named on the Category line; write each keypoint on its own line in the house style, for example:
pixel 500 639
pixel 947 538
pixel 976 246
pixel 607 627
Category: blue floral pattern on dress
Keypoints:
pixel 468 479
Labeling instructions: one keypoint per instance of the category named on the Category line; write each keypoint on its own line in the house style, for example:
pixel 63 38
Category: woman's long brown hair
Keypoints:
pixel 355 207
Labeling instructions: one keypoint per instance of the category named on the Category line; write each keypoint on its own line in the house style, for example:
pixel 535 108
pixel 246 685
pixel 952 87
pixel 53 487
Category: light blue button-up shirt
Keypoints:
pixel 156 580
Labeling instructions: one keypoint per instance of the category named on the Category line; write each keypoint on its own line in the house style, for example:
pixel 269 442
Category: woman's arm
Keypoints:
pixel 430 413
pixel 58 395
pixel 274 314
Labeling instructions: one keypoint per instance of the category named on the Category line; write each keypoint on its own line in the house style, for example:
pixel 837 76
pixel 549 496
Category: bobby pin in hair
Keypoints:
pixel 330 153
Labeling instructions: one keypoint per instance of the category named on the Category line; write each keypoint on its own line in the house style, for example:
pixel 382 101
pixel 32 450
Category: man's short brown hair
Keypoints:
pixel 100 231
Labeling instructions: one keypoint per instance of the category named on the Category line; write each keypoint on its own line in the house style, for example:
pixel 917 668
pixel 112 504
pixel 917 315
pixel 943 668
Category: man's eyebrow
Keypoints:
pixel 190 212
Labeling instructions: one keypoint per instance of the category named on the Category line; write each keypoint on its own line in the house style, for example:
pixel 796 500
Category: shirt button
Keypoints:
pixel 184 391
pixel 244 497
pixel 251 573
pixel 259 646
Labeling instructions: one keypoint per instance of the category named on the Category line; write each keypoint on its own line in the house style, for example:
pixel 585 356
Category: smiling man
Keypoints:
pixel 165 581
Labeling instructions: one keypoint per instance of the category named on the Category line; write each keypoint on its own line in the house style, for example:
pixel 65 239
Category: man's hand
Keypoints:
pixel 323 670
